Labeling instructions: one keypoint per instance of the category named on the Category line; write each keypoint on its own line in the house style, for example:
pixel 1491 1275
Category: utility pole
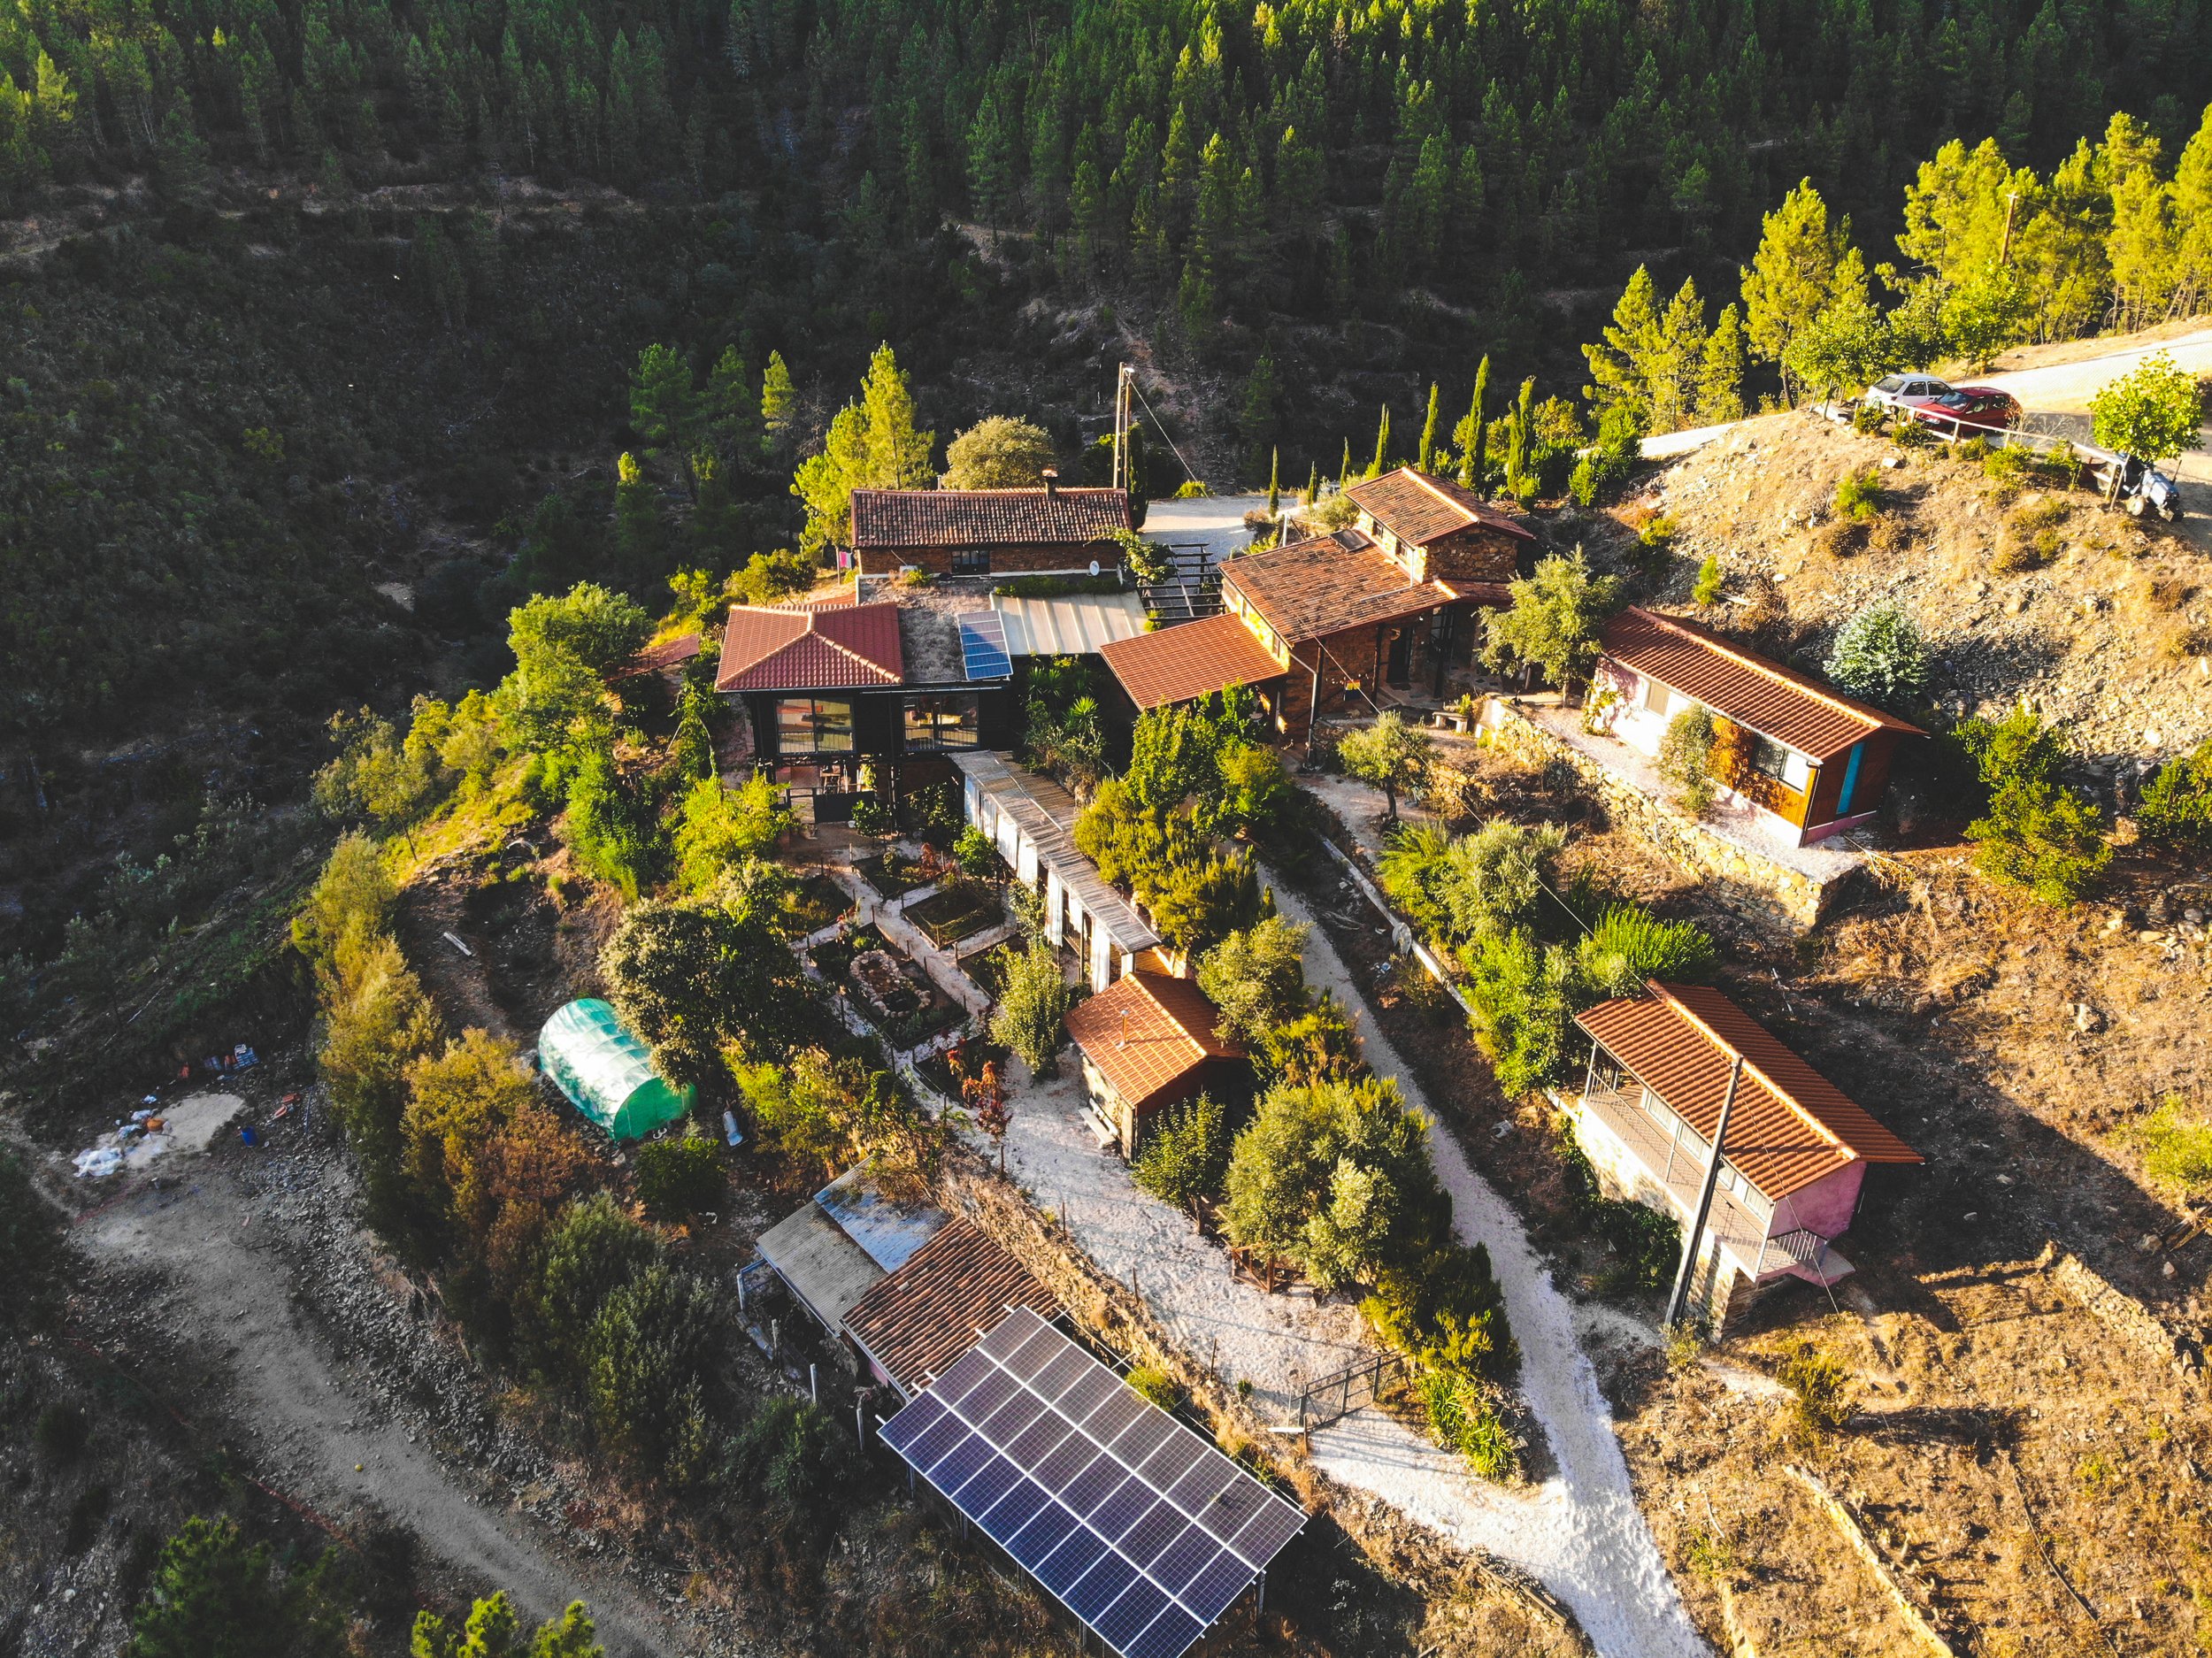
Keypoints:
pixel 1121 427
pixel 2012 205
pixel 1678 1303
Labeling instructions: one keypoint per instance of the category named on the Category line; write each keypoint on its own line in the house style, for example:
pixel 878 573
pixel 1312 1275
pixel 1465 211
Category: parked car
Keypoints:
pixel 1981 407
pixel 1892 391
pixel 2138 487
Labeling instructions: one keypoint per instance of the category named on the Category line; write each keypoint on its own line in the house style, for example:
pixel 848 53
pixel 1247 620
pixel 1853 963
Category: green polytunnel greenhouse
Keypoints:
pixel 606 1072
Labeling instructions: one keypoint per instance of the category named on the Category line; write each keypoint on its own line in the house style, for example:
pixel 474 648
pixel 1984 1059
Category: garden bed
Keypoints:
pixel 886 988
pixel 956 913
pixel 816 902
pixel 976 1052
pixel 987 968
pixel 893 874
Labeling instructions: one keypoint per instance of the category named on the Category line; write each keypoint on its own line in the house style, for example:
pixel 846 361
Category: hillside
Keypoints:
pixel 2026 590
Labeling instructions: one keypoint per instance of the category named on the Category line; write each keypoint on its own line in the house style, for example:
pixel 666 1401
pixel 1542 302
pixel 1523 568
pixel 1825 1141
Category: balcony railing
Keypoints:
pixel 1673 1155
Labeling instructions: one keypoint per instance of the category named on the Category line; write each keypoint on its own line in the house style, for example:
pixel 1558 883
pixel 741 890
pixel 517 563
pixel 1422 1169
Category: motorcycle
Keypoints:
pixel 2129 482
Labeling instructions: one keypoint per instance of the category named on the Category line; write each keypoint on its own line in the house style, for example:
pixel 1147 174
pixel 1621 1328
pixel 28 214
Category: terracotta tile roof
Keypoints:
pixel 1177 664
pixel 655 659
pixel 1419 508
pixel 893 519
pixel 789 648
pixel 1790 1125
pixel 1310 589
pixel 1792 708
pixel 1169 1030
pixel 915 1322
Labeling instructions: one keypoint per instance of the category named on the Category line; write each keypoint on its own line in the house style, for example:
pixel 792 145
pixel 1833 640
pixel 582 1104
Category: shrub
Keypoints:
pixel 1629 945
pixel 1859 495
pixel 875 818
pixel 494 1630
pixel 30 1247
pixel 1185 1157
pixel 720 828
pixel 62 1432
pixel 1913 434
pixel 1520 991
pixel 798 1461
pixel 1881 655
pixel 1157 1385
pixel 649 1359
pixel 1705 591
pixel 679 1178
pixel 2036 832
pixel 1867 419
pixel 1685 759
pixel 1445 1310
pixel 1032 1009
pixel 2007 465
pixel 1462 1418
pixel 2175 812
pixel 1822 1399
pixel 593 1249
pixel 1647 1240
pixel 1257 978
pixel 2177 1147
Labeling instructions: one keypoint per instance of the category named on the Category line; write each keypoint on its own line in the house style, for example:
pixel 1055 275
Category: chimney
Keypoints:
pixel 1052 483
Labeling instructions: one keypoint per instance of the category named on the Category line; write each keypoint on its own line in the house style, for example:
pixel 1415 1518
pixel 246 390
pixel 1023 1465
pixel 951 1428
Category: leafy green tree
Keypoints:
pixel 1390 754
pixel 1879 655
pixel 1256 977
pixel 1804 266
pixel 594 626
pixel 1185 1155
pixel 592 1249
pixel 1553 623
pixel 214 1595
pixel 2175 812
pixel 1491 881
pixel 2151 412
pixel 607 830
pixel 690 976
pixel 664 403
pixel 999 452
pixel 2036 832
pixel 1196 901
pixel 720 828
pixel 351 903
pixel 377 1021
pixel 1032 1007
pixel 677 1178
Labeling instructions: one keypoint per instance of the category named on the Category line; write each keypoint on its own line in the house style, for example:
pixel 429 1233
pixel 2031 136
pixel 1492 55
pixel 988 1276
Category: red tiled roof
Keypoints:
pixel 1310 589
pixel 1790 1125
pixel 1418 508
pixel 915 1322
pixel 1177 664
pixel 846 646
pixel 1740 685
pixel 1170 1030
pixel 892 519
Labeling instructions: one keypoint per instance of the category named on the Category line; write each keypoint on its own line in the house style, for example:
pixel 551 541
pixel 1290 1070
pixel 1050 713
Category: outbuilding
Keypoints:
pixel 605 1072
pixel 1150 1041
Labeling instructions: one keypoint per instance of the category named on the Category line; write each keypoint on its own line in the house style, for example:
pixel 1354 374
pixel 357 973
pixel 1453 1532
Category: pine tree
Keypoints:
pixel 2193 212
pixel 1382 445
pixel 1803 265
pixel 730 414
pixel 1720 374
pixel 663 404
pixel 778 404
pixel 641 530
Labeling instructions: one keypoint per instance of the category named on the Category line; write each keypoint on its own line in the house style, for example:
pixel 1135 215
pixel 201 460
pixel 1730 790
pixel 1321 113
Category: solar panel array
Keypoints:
pixel 1136 1526
pixel 983 652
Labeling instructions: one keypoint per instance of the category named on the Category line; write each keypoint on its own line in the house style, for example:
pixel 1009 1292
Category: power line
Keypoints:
pixel 1162 430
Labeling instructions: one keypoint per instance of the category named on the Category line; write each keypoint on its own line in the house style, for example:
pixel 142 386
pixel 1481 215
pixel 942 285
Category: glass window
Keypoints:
pixel 971 560
pixel 942 720
pixel 1769 756
pixel 814 725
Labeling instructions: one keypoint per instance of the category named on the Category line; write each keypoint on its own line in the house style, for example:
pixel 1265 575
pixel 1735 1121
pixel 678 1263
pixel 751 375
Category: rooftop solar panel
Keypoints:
pixel 1138 1526
pixel 983 652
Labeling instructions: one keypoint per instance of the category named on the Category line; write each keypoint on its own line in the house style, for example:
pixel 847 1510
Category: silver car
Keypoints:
pixel 1893 391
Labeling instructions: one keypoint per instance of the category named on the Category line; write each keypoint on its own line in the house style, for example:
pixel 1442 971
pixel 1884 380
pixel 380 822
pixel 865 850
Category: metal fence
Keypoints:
pixel 1357 1387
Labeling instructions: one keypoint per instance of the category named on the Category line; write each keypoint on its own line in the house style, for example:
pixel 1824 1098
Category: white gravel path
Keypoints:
pixel 1579 1532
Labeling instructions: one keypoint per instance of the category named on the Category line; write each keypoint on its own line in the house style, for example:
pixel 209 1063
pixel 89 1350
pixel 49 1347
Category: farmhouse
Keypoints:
pixel 1440 531
pixel 1808 760
pixel 1798 1148
pixel 988 531
pixel 1149 1042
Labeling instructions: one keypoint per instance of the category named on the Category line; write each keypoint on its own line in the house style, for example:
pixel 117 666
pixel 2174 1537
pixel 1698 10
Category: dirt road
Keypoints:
pixel 226 1245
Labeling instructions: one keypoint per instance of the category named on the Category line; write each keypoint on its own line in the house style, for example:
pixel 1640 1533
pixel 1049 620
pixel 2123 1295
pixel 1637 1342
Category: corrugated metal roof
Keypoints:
pixel 1177 663
pixel 1419 508
pixel 893 519
pixel 1740 685
pixel 917 1321
pixel 850 646
pixel 889 1231
pixel 1077 625
pixel 1790 1125
pixel 824 1268
pixel 1147 1030
pixel 1046 813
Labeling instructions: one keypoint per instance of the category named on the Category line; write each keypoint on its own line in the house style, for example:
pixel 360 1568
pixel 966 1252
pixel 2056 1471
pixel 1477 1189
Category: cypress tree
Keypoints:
pixel 1382 445
pixel 1344 471
pixel 1274 481
pixel 1428 433
pixel 1313 484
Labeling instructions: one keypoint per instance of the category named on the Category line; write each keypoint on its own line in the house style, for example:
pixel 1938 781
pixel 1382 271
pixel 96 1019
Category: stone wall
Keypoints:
pixel 1738 876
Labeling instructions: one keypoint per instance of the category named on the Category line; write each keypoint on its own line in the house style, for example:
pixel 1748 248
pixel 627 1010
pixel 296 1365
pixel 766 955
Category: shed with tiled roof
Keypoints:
pixel 1150 1041
pixel 1798 1148
pixel 1441 530
pixel 913 1322
pixel 988 532
pixel 1814 761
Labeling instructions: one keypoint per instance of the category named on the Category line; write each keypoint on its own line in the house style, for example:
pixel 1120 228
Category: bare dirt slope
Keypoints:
pixel 2105 630
pixel 226 1244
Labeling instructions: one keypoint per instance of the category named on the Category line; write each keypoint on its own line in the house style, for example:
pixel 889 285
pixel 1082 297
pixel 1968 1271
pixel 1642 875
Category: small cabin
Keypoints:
pixel 1793 1170
pixel 988 531
pixel 1808 760
pixel 1150 1043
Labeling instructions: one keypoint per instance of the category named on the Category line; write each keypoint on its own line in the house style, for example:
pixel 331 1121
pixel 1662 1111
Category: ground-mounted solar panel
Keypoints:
pixel 983 653
pixel 1137 1526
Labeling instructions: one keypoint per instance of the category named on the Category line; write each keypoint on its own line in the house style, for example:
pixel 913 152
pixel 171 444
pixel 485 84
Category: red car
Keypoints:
pixel 1949 408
